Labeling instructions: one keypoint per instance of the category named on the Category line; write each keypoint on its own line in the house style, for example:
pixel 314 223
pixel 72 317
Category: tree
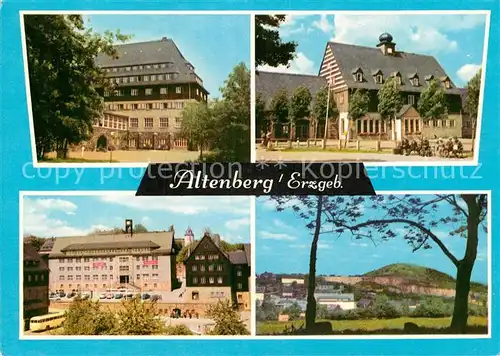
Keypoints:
pixel 138 318
pixel 311 209
pixel 267 310
pixel 460 215
pixel 432 102
pixel 390 103
pixel 63 79
pixel 269 48
pixel 35 241
pixel 227 319
pixel 261 118
pixel 472 101
pixel 300 106
pixel 358 106
pixel 140 228
pixel 231 136
pixel 322 312
pixel 224 246
pixel 197 125
pixel 319 108
pixel 465 214
pixel 85 317
pixel 293 311
pixel 280 107
pixel 177 330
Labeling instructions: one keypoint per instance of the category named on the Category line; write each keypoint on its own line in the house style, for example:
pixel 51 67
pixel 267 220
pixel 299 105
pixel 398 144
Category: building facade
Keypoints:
pixel 35 284
pixel 346 68
pixel 98 262
pixel 213 274
pixel 152 83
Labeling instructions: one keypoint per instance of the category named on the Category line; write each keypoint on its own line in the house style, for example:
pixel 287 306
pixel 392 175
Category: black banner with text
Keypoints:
pixel 255 179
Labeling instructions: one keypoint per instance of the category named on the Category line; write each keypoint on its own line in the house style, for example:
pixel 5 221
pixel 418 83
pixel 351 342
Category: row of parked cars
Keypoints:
pixel 114 295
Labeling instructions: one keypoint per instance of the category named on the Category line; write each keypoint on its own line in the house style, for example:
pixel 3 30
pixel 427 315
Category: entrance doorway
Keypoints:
pixel 302 130
pixel 102 143
pixel 124 279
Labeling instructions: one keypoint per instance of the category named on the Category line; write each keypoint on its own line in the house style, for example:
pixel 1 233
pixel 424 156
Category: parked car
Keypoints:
pixel 129 295
pixel 145 296
pixel 62 294
pixel 109 296
pixel 102 296
pixel 118 296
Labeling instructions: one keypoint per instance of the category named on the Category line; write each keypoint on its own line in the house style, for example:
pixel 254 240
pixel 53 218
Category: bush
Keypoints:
pixel 177 330
pixel 227 319
pixel 433 308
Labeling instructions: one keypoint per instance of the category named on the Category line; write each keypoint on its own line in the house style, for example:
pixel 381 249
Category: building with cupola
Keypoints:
pixel 152 83
pixel 346 68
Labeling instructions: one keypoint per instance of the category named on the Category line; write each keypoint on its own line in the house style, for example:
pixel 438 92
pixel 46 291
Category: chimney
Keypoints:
pixel 129 227
pixel 164 38
pixel 216 239
pixel 386 45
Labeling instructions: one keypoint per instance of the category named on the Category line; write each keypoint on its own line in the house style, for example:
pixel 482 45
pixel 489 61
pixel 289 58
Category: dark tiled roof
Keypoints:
pixel 248 252
pixel 369 59
pixel 268 83
pixel 109 245
pixel 151 52
pixel 238 258
pixel 30 254
pixel 161 239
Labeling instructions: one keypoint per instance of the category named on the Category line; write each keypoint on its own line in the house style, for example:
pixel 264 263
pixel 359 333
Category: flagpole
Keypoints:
pixel 326 117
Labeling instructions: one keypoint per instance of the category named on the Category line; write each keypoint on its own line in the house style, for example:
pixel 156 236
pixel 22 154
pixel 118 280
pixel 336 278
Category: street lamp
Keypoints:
pixel 111 147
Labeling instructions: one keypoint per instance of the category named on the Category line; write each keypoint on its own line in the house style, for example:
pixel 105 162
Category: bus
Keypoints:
pixel 47 321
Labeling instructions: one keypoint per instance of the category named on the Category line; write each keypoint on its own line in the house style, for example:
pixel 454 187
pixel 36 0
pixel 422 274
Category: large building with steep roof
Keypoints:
pixel 35 284
pixel 152 83
pixel 213 274
pixel 346 68
pixel 98 262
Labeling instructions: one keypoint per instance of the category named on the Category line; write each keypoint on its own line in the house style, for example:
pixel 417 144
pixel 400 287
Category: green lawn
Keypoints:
pixel 377 326
pixel 74 160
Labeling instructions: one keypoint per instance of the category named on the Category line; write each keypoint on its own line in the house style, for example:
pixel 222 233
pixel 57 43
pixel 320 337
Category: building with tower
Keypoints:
pixel 95 263
pixel 346 68
pixel 152 83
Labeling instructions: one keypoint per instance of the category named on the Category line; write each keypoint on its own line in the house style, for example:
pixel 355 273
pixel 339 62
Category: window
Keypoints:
pixel 239 286
pixel 447 84
pixel 211 268
pixel 119 92
pixel 104 277
pixel 211 280
pixel 61 260
pixel 203 280
pixel 148 122
pixel 379 78
pixel 219 267
pixel 61 269
pixel 359 77
pixel 123 268
pixel 106 92
pixel 148 91
pixel 163 90
pixel 61 278
pixel 414 82
pixel 411 99
pixel 178 90
pixel 155 275
pixel 138 276
pixel 145 276
pixel 443 122
pixel 149 106
pixel 195 280
pixel 202 268
pixel 219 280
pixel 195 295
pixel 134 92
pixel 145 78
pixel 86 259
pixel 153 78
pixel 426 123
pixel 95 277
pixel 86 268
pixel 123 259
pixel 134 122
pixel 239 273
pixel 86 277
pixel 398 79
pixel 452 123
pixel 179 105
pixel 163 122
pixel 154 267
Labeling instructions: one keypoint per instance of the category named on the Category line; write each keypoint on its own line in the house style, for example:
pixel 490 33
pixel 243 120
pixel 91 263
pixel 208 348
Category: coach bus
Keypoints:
pixel 47 321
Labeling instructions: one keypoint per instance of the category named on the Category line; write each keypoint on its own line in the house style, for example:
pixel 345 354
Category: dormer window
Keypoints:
pixel 447 84
pixel 357 74
pixel 359 77
pixel 414 82
pixel 398 79
pixel 379 78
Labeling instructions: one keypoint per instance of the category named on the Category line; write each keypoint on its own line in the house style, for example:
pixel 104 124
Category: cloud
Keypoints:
pixel 359 244
pixel 186 205
pixel 37 221
pixel 323 24
pixel 467 71
pixel 412 33
pixel 301 64
pixel 233 239
pixel 281 224
pixel 321 246
pixel 145 220
pixel 276 236
pixel 235 224
pixel 50 204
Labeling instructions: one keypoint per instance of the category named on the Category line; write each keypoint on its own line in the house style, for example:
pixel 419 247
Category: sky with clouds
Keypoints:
pixel 456 41
pixel 283 245
pixel 60 216
pixel 214 44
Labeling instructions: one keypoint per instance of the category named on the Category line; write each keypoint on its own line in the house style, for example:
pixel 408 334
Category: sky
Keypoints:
pixel 456 41
pixel 214 44
pixel 59 216
pixel 283 245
